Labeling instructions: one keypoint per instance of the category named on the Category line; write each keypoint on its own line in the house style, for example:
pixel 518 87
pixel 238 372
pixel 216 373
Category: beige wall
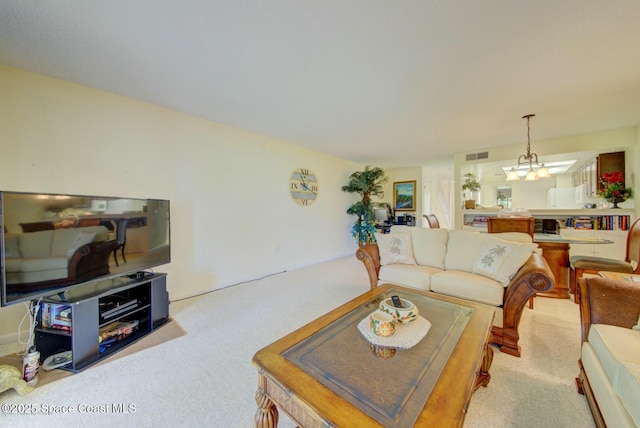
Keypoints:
pixel 405 174
pixel 232 217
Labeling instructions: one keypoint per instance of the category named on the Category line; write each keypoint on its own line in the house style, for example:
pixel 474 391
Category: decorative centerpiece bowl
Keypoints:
pixel 382 324
pixel 406 314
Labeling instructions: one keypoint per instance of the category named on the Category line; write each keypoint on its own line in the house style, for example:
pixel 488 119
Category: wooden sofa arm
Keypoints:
pixel 91 260
pixel 608 301
pixel 370 256
pixel 534 276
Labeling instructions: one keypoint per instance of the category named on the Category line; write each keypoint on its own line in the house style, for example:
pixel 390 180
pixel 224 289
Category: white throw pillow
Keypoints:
pixel 500 260
pixel 82 239
pixel 395 248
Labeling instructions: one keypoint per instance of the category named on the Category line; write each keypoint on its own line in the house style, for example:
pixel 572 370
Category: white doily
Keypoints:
pixel 406 335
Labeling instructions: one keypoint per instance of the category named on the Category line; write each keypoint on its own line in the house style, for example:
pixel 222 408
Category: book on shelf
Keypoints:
pixel 601 222
pixel 479 221
pixel 54 315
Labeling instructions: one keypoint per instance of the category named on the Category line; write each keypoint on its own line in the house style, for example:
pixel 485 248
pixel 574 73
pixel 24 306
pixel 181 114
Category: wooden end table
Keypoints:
pixel 327 374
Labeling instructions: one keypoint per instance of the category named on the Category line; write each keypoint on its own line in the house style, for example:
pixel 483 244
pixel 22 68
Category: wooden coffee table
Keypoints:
pixel 327 374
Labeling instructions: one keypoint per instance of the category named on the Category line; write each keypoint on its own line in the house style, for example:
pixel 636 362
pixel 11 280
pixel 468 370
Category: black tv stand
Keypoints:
pixel 88 320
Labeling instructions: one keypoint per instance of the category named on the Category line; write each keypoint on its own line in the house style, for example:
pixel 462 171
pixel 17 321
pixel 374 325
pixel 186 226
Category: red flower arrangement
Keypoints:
pixel 612 186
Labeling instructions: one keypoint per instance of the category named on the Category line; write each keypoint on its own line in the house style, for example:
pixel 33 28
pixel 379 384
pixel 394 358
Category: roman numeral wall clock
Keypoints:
pixel 303 186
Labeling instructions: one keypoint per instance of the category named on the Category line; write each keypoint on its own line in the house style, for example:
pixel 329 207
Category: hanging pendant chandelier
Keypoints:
pixel 529 158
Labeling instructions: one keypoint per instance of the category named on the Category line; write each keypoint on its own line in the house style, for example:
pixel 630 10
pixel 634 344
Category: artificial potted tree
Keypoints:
pixel 470 187
pixel 366 183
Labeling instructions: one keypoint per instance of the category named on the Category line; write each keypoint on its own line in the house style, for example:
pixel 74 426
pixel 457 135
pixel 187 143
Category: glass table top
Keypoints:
pixel 390 385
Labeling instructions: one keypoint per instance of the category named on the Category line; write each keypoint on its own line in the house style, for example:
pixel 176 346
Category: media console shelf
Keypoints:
pixel 74 320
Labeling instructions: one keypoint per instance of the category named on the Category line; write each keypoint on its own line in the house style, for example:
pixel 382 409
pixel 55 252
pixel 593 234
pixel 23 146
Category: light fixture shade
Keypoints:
pixel 543 172
pixel 513 175
pixel 529 158
pixel 531 175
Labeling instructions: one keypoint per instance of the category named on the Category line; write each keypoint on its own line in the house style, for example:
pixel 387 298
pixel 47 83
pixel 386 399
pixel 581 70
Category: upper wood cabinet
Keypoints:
pixel 610 162
pixel 591 171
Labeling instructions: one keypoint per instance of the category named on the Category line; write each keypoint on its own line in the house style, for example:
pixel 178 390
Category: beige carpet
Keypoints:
pixel 205 378
pixel 164 333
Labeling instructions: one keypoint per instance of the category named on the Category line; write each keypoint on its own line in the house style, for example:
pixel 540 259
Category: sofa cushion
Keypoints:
pixel 468 286
pixel 429 246
pixel 12 265
pixel 11 249
pixel 617 351
pixel 500 259
pixel 395 248
pixel 21 271
pixel 614 345
pixel 408 275
pixel 36 244
pixel 463 248
pixel 64 239
pixel 627 387
pixel 611 407
pixel 44 263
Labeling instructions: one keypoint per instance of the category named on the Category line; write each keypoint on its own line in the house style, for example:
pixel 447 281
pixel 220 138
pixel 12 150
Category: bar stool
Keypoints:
pixel 579 265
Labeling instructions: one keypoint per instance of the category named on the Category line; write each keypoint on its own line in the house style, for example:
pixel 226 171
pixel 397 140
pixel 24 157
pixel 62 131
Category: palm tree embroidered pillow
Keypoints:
pixel 500 260
pixel 395 248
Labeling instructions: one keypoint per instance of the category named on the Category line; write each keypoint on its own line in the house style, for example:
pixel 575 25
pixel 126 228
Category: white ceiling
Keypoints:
pixel 391 83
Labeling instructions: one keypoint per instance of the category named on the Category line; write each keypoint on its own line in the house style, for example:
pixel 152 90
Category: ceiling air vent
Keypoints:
pixel 476 156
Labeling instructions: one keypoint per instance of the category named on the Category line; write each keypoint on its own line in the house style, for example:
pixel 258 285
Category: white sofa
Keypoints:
pixel 610 358
pixel 464 265
pixel 40 259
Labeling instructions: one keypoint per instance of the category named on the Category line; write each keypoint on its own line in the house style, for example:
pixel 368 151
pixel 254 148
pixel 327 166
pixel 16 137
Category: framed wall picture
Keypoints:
pixel 404 195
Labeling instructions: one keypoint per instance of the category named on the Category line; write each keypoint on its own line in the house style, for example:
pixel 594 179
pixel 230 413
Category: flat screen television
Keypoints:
pixel 53 242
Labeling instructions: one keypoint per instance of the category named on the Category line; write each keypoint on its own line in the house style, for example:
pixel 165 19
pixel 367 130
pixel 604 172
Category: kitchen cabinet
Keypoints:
pixel 610 162
pixel 589 174
pixel 592 178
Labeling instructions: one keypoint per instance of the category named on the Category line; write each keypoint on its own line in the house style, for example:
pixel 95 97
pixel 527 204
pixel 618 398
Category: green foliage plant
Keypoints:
pixel 470 183
pixel 365 183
